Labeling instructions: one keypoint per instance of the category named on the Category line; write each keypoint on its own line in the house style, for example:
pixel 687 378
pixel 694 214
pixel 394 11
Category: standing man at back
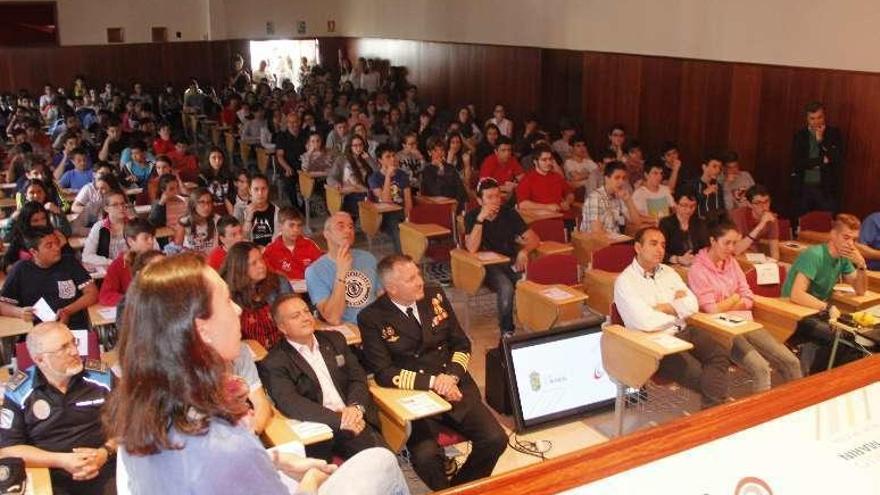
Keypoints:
pixel 818 162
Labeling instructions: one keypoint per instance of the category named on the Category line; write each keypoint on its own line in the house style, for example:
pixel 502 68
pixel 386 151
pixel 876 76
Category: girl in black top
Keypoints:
pixel 219 180
pixel 685 233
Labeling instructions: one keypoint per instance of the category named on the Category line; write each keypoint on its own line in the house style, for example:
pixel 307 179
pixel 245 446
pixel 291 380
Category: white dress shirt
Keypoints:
pixel 312 354
pixel 403 308
pixel 637 292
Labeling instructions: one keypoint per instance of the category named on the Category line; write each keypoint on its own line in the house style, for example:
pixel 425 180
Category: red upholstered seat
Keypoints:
pixel 818 221
pixel 614 258
pixel 553 269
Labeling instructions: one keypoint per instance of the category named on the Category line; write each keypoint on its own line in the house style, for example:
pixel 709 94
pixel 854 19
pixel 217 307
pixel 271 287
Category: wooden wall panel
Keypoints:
pixel 752 109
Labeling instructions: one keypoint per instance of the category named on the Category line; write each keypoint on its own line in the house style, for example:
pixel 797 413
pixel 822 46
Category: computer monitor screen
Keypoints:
pixel 557 374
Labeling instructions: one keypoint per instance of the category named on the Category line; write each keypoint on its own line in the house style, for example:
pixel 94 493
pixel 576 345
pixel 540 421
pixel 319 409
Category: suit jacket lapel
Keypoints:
pixel 304 367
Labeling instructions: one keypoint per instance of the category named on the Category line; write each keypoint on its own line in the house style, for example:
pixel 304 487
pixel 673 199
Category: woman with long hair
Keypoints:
pixel 31 215
pixel 197 230
pixel 178 412
pixel 350 172
pixel 254 288
pixel 219 180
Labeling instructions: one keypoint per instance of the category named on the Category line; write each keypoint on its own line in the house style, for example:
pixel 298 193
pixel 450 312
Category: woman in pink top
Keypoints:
pixel 720 286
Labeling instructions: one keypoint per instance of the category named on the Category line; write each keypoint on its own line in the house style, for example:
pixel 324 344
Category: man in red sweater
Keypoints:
pixel 503 166
pixel 229 232
pixel 290 253
pixel 544 191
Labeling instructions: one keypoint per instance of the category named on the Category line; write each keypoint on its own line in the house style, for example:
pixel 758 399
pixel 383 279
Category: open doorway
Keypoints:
pixel 280 60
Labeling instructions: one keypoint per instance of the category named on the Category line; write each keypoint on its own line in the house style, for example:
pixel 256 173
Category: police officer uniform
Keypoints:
pixel 407 352
pixel 36 413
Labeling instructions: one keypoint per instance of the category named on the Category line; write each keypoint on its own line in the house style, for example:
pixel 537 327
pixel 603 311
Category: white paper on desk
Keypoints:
pixel 844 288
pixel 555 294
pixel 419 404
pixel 756 257
pixel 343 329
pixel 667 341
pixel 767 273
pixel 614 237
pixel 295 448
pixel 299 285
pixel 108 313
pixel 82 341
pixel 309 429
pixel 43 311
pixel 487 255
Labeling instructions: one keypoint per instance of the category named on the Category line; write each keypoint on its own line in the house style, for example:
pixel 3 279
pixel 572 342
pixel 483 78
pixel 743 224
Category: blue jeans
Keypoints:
pixel 501 279
pixel 370 472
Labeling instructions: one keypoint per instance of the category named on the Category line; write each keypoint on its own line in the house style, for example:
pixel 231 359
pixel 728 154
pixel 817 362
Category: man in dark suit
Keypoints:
pixel 412 340
pixel 818 162
pixel 314 376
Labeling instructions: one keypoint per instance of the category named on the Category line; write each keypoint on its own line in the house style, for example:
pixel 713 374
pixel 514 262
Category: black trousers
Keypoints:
pixel 477 424
pixel 819 332
pixel 103 484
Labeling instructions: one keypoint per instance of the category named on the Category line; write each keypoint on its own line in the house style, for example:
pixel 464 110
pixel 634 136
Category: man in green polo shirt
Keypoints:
pixel 811 281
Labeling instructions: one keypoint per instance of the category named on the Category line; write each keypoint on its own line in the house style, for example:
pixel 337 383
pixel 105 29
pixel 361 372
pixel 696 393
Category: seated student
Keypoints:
pixel 869 240
pixel 608 208
pixel 140 236
pixel 39 171
pixel 580 169
pixel 63 160
pixel 169 207
pixel 390 184
pixel 79 175
pixel 413 341
pixel 652 297
pixel 439 178
pixel 811 280
pixel 291 252
pixel 219 180
pixel 756 222
pixel 184 163
pixel 564 146
pixel 106 240
pixel 316 158
pixel 254 288
pixel 242 193
pixel 31 215
pixel 89 201
pixel 410 160
pixel 634 160
pixel 684 232
pixel 163 167
pixel 543 190
pixel 672 169
pixel 314 376
pixel 706 189
pixel 495 226
pixel 503 166
pixel 139 168
pixel 163 143
pixel 51 417
pixel 228 234
pixel 197 230
pixel 736 182
pixel 344 280
pixel 653 198
pixel 260 222
pixel 350 174
pixel 60 280
pixel 720 286
pixel 178 452
pixel 37 191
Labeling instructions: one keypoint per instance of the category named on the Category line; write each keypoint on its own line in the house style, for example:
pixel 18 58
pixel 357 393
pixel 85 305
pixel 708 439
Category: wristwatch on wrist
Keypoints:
pixel 360 408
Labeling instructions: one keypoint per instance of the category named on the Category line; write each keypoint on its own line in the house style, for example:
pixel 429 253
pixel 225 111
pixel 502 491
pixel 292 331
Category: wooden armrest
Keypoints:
pixel 546 248
pixel 334 199
pixel 306 184
pixel 10 327
pixel 468 271
pixel 779 316
pixel 39 480
pixel 370 218
pixel 722 332
pixel 414 238
pixel 631 357
pixel 852 302
pixel 257 349
pixel 599 287
pixel 536 310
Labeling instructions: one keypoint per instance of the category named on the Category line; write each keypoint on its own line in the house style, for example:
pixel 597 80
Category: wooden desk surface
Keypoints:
pixel 852 302
pixel 10 327
pixel 790 250
pixel 779 315
pixel 352 335
pixel 713 324
pixel 481 257
pixel 279 431
pixel 389 399
pixel 813 237
pixel 97 319
pixel 386 207
pixel 651 342
pixel 39 481
pixel 554 247
pixel 427 229
pixel 546 292
pixel 873 280
pixel 529 217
